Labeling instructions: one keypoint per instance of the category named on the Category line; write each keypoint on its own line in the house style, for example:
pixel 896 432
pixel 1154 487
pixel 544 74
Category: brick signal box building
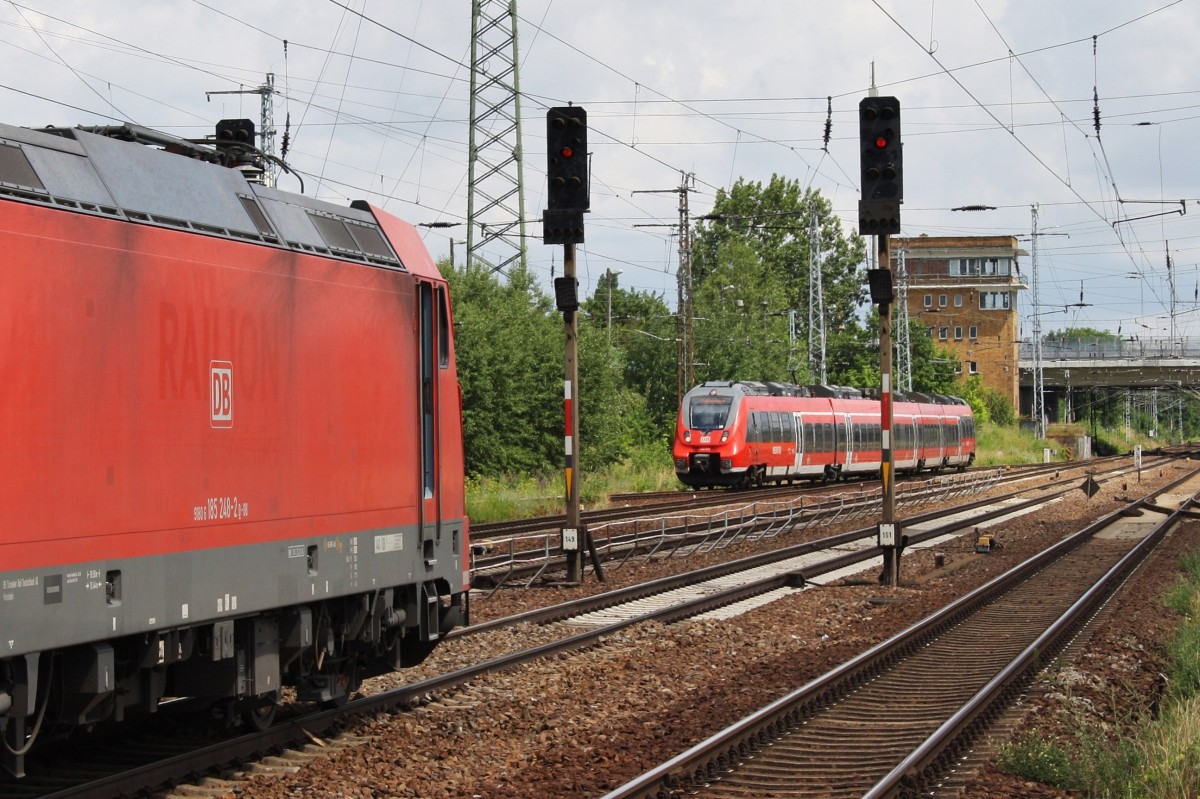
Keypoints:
pixel 963 289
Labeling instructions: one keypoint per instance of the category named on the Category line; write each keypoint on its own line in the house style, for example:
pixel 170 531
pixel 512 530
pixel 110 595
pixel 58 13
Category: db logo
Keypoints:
pixel 221 393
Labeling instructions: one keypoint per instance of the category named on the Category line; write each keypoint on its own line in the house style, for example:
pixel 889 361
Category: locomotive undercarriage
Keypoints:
pixel 238 666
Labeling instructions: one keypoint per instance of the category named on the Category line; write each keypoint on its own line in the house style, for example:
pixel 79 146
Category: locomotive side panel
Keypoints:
pixel 233 429
pixel 167 394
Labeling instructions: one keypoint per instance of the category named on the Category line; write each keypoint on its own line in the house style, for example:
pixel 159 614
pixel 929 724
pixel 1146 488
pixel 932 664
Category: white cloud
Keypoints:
pixel 716 89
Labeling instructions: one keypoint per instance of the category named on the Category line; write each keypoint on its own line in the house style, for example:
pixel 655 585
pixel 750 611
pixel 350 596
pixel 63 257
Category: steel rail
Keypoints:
pixel 719 752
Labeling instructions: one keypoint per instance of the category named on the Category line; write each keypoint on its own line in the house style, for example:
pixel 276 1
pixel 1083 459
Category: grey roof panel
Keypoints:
pixel 148 181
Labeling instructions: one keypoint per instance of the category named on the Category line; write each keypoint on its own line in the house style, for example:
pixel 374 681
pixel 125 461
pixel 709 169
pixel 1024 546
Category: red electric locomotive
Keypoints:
pixel 231 431
pixel 748 433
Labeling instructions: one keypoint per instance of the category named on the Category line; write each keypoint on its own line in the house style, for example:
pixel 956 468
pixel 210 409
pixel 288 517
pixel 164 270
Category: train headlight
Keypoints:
pixel 724 436
pixel 687 436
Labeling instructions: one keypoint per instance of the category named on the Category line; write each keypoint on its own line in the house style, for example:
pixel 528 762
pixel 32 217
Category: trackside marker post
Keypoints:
pixel 568 198
pixel 880 160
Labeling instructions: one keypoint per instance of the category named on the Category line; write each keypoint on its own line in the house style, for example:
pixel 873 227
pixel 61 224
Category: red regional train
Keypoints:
pixel 747 433
pixel 231 431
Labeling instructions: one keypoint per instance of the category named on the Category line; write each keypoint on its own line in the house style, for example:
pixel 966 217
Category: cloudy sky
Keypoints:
pixel 997 96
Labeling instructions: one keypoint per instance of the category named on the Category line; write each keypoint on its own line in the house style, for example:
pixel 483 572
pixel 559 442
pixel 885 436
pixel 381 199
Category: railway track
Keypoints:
pixel 896 719
pixel 726 518
pixel 631 505
pixel 708 590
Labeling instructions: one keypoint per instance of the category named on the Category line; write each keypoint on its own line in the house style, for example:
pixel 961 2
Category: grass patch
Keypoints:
pixel 1002 445
pixel 1141 758
pixel 498 499
pixel 1045 760
pixel 1095 762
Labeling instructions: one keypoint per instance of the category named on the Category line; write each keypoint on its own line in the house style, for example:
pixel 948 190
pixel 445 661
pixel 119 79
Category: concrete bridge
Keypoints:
pixel 1136 363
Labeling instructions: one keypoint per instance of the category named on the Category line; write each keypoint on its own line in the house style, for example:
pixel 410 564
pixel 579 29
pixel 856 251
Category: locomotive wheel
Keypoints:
pixel 260 711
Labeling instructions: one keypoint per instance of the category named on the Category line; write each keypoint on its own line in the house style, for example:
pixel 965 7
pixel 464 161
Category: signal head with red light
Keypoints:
pixel 566 159
pixel 880 159
pixel 880 149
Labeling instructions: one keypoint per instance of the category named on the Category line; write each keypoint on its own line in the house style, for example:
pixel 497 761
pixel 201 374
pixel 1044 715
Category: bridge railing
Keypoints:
pixel 1133 348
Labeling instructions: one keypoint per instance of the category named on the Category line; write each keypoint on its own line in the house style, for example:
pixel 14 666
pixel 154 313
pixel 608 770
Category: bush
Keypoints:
pixel 1046 761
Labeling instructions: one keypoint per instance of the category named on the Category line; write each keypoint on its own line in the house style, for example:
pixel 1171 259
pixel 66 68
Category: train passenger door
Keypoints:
pixel 841 439
pixel 799 428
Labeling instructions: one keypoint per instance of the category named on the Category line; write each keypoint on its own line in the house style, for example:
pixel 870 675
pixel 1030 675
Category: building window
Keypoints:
pixel 958 332
pixel 957 300
pixel 972 332
pixel 994 299
pixel 928 300
pixel 943 333
pixel 941 300
pixel 973 367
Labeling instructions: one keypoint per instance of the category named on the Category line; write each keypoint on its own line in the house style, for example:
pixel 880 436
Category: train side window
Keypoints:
pixel 752 427
pixel 776 427
pixel 443 342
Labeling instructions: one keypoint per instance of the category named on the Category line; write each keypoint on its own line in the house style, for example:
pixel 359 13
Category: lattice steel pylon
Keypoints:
pixel 495 178
pixel 903 343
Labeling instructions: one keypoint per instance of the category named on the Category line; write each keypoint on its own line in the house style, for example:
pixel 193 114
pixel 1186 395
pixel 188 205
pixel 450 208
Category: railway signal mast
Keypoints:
pixel 879 216
pixel 562 223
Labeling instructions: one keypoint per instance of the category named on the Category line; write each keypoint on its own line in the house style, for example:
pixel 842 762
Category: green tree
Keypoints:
pixel 739 324
pixel 852 355
pixel 934 369
pixel 853 359
pixel 1080 334
pixel 509 348
pixel 612 416
pixel 643 338
pixel 775 221
pixel 988 404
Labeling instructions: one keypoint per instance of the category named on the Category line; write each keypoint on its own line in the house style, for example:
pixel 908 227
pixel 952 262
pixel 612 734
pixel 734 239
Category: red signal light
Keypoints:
pixel 881 143
pixel 567 152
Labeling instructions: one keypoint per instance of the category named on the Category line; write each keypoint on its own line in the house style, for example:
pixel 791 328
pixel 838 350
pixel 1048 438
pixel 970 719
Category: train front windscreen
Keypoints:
pixel 709 412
